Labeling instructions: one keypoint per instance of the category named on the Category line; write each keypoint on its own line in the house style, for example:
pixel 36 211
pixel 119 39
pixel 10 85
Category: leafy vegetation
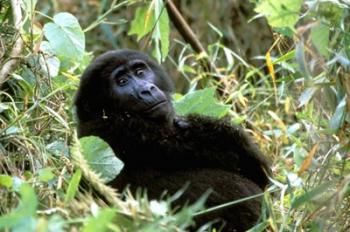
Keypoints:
pixel 295 103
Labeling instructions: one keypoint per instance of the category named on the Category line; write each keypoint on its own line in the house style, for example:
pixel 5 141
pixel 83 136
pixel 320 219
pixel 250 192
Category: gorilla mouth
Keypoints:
pixel 153 107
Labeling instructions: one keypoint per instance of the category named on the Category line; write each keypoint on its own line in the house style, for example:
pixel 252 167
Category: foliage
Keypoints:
pixel 66 38
pixel 153 18
pixel 100 157
pixel 296 105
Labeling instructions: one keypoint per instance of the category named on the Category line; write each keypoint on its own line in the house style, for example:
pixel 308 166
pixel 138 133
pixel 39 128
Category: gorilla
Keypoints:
pixel 124 98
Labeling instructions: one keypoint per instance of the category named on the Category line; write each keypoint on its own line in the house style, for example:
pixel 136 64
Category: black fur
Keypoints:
pixel 164 152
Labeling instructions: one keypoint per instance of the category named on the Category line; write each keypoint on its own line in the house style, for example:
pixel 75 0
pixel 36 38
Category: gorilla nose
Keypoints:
pixel 147 90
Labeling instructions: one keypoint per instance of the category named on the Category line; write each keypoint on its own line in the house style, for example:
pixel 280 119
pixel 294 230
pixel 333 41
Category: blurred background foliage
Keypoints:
pixel 279 68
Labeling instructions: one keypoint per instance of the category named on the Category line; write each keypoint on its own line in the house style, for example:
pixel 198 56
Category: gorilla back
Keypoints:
pixel 125 98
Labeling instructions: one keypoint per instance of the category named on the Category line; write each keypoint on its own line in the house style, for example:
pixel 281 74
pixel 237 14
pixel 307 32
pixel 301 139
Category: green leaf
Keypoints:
pixel 66 37
pixel 142 23
pixel 320 38
pixel 100 223
pixel 280 13
pixel 308 196
pixel 201 102
pixel 162 30
pixel 153 16
pixel 6 181
pixel 288 56
pixel 101 157
pixel 29 201
pixel 46 174
pixel 73 186
pixel 22 218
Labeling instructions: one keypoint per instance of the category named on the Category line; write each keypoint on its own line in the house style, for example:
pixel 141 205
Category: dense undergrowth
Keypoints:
pixel 296 106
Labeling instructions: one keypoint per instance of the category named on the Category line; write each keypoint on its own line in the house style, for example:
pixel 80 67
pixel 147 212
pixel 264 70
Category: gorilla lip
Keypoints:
pixel 155 106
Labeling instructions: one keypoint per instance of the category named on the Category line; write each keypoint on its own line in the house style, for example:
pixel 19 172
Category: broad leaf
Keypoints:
pixel 280 13
pixel 201 102
pixel 142 23
pixel 66 37
pixel 101 157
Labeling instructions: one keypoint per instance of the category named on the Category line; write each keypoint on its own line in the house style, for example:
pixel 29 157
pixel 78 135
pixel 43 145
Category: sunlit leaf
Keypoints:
pixel 288 56
pixel 280 13
pixel 139 26
pixel 153 18
pixel 100 223
pixel 100 157
pixel 164 30
pixel 66 37
pixel 46 174
pixel 6 181
pixel 201 102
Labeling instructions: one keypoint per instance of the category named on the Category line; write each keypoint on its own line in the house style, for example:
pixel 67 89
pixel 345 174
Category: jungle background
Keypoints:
pixel 278 68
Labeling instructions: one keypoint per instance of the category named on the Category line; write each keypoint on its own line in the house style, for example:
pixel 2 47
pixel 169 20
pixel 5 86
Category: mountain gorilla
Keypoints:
pixel 125 98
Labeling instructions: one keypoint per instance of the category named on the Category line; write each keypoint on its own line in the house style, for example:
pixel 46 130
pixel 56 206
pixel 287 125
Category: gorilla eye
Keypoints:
pixel 122 81
pixel 139 72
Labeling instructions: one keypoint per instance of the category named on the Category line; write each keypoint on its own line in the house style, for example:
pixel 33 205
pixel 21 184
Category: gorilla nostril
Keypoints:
pixel 148 90
pixel 145 92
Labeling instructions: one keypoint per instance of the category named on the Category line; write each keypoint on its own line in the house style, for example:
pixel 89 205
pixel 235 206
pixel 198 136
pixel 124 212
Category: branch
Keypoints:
pixel 188 35
pixel 183 28
pixel 18 45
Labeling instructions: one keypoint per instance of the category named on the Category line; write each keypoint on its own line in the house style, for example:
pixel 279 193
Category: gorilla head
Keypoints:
pixel 125 82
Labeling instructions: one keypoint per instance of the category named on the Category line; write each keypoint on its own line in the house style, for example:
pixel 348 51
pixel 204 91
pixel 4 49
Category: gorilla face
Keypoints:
pixel 124 82
pixel 134 90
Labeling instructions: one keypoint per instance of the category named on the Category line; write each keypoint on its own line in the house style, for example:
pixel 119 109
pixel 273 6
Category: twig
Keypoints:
pixel 18 46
